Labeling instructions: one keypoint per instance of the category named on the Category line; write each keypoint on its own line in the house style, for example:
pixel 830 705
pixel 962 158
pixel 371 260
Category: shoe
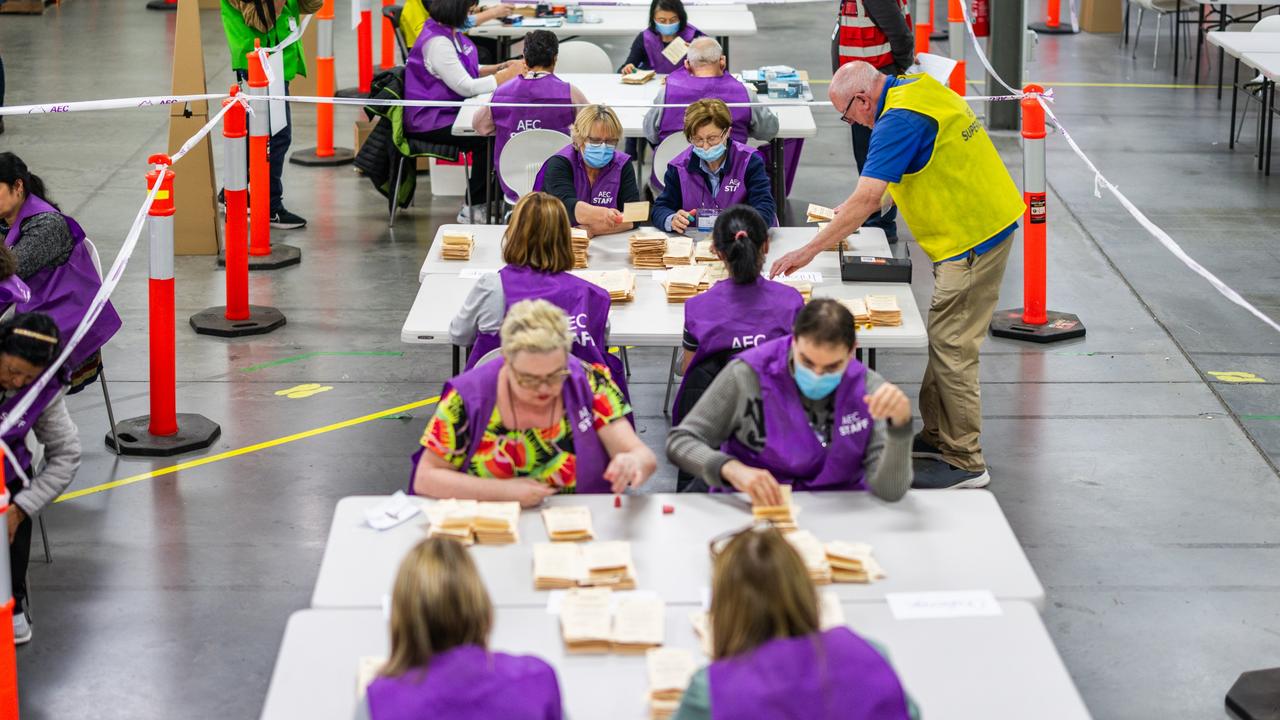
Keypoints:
pixel 941 475
pixel 473 215
pixel 285 220
pixel 21 628
pixel 923 450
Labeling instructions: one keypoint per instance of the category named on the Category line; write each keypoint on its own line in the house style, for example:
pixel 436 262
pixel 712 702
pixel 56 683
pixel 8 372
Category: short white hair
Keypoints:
pixel 704 51
pixel 851 79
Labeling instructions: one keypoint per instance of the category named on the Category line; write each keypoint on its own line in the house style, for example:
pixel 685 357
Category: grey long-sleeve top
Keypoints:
pixel 729 408
pixel 482 311
pixel 764 124
pixel 61 439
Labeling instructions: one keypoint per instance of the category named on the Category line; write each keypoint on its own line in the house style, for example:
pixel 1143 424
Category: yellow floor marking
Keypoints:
pixel 1235 376
pixel 306 390
pixel 244 450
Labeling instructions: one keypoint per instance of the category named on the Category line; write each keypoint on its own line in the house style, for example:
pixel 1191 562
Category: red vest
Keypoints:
pixel 858 37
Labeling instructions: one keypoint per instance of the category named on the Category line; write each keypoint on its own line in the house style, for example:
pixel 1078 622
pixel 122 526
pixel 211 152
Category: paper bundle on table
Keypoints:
pixel 557 566
pixel 679 252
pixel 609 563
pixel 639 77
pixel 620 284
pixel 581 242
pixel 639 624
pixel 858 307
pixel 782 516
pixel 716 272
pixel 647 248
pixel 585 620
pixel 569 523
pixel 814 555
pixel 670 670
pixel 452 519
pixel 804 287
pixel 497 523
pixel 456 245
pixel 703 252
pixel 884 310
pixel 853 562
pixel 684 282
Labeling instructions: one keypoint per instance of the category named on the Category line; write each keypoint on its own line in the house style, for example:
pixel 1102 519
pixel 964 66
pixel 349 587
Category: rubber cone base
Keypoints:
pixel 1060 326
pixel 935 37
pixel 161 5
pixel 195 432
pixel 1060 29
pixel 214 321
pixel 1256 695
pixel 309 158
pixel 351 92
pixel 281 256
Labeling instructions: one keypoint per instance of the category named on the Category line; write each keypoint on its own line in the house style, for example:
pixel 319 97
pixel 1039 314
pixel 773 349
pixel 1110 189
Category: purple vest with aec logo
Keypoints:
pixel 733 179
pixel 834 675
pixel 469 683
pixel 422 85
pixel 653 47
pixel 547 89
pixel 737 317
pixel 792 450
pixel 604 191
pixel 684 88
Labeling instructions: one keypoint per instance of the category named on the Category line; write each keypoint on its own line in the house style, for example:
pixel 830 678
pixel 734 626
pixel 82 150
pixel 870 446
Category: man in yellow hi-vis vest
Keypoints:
pixel 933 156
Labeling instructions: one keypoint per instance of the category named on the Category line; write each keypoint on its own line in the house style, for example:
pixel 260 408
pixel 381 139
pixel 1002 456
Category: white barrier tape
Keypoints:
pixel 264 54
pixel 111 104
pixel 361 102
pixel 982 56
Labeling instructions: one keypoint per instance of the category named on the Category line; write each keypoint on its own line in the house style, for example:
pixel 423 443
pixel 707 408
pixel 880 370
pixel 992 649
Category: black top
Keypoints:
pixel 638 57
pixel 557 179
pixel 46 242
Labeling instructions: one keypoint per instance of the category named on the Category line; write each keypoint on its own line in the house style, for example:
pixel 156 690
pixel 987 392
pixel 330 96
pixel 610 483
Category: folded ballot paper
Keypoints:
pixel 456 245
pixel 620 284
pixel 452 518
pixel 557 566
pixel 814 555
pixel 858 307
pixel 704 253
pixel 884 311
pixel 471 521
pixel 639 624
pixel 581 242
pixel 670 670
pixel 685 282
pixel 648 246
pixel 679 252
pixel 392 511
pixel 497 523
pixel 782 516
pixel 594 620
pixel 639 77
pixel 818 213
pixel 675 50
pixel 568 523
pixel 852 563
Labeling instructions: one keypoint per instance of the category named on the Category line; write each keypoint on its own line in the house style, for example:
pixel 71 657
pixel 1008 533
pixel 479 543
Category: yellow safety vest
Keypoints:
pixel 963 195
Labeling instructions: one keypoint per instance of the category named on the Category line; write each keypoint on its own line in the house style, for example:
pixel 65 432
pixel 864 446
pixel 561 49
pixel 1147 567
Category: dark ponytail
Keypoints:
pixel 739 236
pixel 28 336
pixel 12 169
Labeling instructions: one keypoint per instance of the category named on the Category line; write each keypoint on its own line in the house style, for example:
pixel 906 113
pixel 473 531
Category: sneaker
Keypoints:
pixel 923 450
pixel 284 220
pixel 940 475
pixel 21 628
pixel 473 215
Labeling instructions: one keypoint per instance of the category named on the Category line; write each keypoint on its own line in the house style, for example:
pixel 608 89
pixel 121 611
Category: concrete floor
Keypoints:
pixel 1144 490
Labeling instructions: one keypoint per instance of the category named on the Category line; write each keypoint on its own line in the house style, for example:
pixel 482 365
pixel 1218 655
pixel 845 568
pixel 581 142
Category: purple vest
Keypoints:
pixel 510 121
pixel 469 683
pixel 733 180
pixel 422 85
pixel 653 47
pixel 479 390
pixel 65 292
pixel 792 451
pixel 684 89
pixel 834 675
pixel 16 437
pixel 730 316
pixel 13 291
pixel 604 192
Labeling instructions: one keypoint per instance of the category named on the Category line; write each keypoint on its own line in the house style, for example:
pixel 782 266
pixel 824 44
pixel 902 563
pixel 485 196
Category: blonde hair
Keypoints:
pixel 438 603
pixel 587 118
pixel 538 234
pixel 535 326
pixel 760 591
pixel 706 111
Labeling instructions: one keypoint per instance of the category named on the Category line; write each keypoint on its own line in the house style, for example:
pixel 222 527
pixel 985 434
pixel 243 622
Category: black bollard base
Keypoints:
pixel 195 432
pixel 350 92
pixel 161 5
pixel 1059 29
pixel 309 158
pixel 213 321
pixel 1256 695
pixel 281 256
pixel 1060 326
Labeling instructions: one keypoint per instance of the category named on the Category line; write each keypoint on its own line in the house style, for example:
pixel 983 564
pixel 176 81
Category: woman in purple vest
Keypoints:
pixel 667 20
pixel 712 174
pixel 55 263
pixel 444 64
pixel 29 342
pixel 440 664
pixel 799 410
pixel 770 657
pixel 539 85
pixel 531 423
pixel 590 176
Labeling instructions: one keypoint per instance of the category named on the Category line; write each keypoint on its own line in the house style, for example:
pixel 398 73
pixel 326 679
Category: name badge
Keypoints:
pixel 707 218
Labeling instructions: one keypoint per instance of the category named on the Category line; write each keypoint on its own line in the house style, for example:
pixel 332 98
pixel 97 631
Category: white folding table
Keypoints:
pixel 1260 51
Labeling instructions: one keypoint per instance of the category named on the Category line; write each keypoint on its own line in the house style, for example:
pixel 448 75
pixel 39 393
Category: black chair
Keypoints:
pixel 392 13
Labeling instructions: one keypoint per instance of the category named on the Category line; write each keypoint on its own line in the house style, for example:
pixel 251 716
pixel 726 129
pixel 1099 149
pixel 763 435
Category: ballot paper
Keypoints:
pixel 586 624
pixel 858 307
pixel 456 245
pixel 853 562
pixel 670 670
pixel 804 287
pixel 639 77
pixel 639 624
pixel 679 252
pixel 884 311
pixel 581 242
pixel 782 516
pixel 497 523
pixel 620 284
pixel 452 518
pixel 392 511
pixel 367 669
pixel 704 252
pixel 557 566
pixel 814 555
pixel 635 212
pixel 818 213
pixel 675 50
pixel 684 282
pixel 647 249
pixel 608 563
pixel 568 523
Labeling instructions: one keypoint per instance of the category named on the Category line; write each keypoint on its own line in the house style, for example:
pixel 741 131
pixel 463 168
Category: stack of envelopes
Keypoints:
pixel 639 77
pixel 703 253
pixel 639 624
pixel 452 519
pixel 814 555
pixel 647 249
pixel 858 307
pixel 496 523
pixel 585 620
pixel 679 252
pixel 670 670
pixel 569 523
pixel 853 562
pixel 581 241
pixel 884 310
pixel 685 282
pixel 620 284
pixel 456 245
pixel 609 564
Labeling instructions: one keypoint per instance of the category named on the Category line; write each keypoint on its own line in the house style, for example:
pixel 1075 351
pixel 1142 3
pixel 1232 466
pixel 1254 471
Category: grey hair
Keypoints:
pixel 851 79
pixel 704 51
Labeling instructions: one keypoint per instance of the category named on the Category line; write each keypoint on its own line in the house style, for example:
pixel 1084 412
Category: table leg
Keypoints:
pixel 1222 54
pixel 871 358
pixel 778 161
pixel 1199 43
pixel 671 373
pixel 724 47
pixel 1262 122
pixel 457 359
pixel 1177 17
pixel 1235 91
pixel 1270 88
pixel 491 180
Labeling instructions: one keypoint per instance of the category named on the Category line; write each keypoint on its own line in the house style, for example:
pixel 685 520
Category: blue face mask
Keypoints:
pixel 597 156
pixel 815 386
pixel 469 23
pixel 710 154
pixel 667 29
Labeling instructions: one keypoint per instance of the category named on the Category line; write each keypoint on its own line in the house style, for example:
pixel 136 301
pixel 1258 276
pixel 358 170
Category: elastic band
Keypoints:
pixel 740 235
pixel 35 335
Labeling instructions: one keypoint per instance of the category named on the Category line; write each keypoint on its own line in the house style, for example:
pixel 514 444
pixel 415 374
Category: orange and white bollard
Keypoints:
pixel 324 153
pixel 163 432
pixel 262 254
pixel 237 317
pixel 1052 25
pixel 388 39
pixel 364 53
pixel 1033 321
pixel 923 24
pixel 958 37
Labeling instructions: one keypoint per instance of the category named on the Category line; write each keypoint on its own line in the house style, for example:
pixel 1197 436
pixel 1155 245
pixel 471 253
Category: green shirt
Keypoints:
pixel 240 38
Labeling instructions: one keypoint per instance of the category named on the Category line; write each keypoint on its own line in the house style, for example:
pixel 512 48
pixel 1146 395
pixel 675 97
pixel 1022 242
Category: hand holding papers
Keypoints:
pixel 782 516
pixel 675 51
pixel 635 212
pixel 818 213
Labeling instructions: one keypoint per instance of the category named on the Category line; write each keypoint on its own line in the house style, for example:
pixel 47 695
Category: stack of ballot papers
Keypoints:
pixel 818 213
pixel 830 614
pixel 581 241
pixel 853 563
pixel 620 284
pixel 804 287
pixel 670 670
pixel 679 252
pixel 703 253
pixel 782 516
pixel 814 555
pixel 639 77
pixel 716 272
pixel 456 245
pixel 858 307
pixel 452 519
pixel 570 523
pixel 842 245
pixel 496 523
pixel 647 248
pixel 608 564
pixel 639 624
pixel 884 310
pixel 586 624
pixel 685 282
pixel 557 566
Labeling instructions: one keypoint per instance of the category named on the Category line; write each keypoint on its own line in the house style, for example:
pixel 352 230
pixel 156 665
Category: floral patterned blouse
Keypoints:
pixel 544 454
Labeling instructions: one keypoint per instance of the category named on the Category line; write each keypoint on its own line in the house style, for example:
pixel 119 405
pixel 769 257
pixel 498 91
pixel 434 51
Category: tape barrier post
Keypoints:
pixel 941 30
pixel 164 432
pixel 8 651
pixel 923 24
pixel 262 254
pixel 1032 321
pixel 388 39
pixel 237 317
pixel 1052 25
pixel 956 28
pixel 364 53
pixel 324 153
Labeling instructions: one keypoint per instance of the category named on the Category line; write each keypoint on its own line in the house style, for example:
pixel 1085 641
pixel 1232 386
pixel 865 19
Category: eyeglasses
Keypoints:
pixel 706 142
pixel 721 541
pixel 845 115
pixel 532 382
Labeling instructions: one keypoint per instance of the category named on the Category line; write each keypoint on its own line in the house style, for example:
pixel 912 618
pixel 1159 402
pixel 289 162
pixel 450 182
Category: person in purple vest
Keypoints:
pixel 440 664
pixel 799 410
pixel 704 76
pixel 770 656
pixel 29 343
pixel 55 263
pixel 444 64
pixel 538 251
pixel 667 20
pixel 531 423
pixel 539 85
pixel 590 176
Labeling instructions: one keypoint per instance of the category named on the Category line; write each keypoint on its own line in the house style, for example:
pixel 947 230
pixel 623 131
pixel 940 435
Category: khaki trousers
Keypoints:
pixel 964 296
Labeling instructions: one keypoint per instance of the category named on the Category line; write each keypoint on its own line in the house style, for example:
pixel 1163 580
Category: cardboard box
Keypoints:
pixel 1101 16
pixel 363 129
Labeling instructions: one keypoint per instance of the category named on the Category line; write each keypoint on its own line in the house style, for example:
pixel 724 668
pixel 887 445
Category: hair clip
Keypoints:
pixel 35 335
